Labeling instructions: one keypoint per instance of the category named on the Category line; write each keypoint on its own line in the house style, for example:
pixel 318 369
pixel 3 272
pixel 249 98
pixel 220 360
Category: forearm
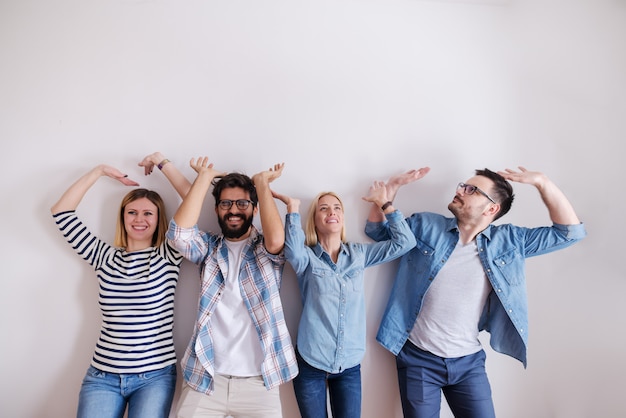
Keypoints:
pixel 381 203
pixel 559 207
pixel 180 183
pixel 375 215
pixel 271 223
pixel 169 170
pixel 295 250
pixel 75 193
pixel 189 210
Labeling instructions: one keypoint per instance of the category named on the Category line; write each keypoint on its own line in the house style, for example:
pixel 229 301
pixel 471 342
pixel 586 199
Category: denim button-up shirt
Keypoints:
pixel 502 250
pixel 260 276
pixel 331 334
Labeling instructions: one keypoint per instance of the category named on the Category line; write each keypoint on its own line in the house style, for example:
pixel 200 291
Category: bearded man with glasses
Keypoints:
pixel 463 276
pixel 240 351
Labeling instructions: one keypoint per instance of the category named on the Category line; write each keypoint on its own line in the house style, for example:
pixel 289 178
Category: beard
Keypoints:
pixel 234 233
pixel 452 208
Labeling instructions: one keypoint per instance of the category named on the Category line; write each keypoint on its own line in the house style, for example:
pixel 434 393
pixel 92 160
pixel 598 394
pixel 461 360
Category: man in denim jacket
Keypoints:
pixel 465 275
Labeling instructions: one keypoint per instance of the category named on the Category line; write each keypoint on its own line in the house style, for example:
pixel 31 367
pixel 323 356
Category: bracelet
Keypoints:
pixel 162 163
pixel 386 205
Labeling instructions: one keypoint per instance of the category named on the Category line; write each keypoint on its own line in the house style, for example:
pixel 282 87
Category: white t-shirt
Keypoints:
pixel 447 324
pixel 236 341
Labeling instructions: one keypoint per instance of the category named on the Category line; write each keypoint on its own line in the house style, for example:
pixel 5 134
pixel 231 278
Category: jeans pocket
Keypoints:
pixel 155 374
pixel 95 373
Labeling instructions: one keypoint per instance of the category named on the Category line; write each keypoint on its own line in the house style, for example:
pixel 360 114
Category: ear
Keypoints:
pixel 493 209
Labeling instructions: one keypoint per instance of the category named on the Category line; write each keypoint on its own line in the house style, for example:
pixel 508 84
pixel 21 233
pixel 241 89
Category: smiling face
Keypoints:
pixel 141 219
pixel 235 222
pixel 328 216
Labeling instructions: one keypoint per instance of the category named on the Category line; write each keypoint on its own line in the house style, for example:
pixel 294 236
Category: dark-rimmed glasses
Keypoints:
pixel 469 189
pixel 242 204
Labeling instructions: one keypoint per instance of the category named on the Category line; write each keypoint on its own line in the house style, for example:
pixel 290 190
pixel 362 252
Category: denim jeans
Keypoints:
pixel 422 377
pixel 344 389
pixel 106 395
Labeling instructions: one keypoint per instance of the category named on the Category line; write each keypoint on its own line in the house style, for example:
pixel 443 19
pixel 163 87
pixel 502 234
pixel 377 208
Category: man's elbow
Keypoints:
pixel 274 246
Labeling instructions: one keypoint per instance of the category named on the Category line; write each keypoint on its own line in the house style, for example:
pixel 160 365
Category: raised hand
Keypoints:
pixel 534 178
pixel 269 175
pixel 399 180
pixel 202 165
pixel 377 193
pixel 293 204
pixel 116 174
pixel 151 161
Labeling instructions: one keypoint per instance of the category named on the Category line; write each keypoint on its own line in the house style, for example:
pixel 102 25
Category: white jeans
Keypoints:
pixel 237 397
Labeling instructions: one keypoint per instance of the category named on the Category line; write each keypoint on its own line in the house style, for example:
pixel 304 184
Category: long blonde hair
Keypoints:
pixel 121 236
pixel 309 231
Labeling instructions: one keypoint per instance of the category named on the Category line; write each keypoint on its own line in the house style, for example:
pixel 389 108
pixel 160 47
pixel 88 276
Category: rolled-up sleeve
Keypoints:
pixel 190 242
pixel 574 232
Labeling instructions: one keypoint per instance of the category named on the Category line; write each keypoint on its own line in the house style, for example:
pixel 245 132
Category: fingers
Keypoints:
pixel 278 167
pixel 148 166
pixel 128 182
pixel 283 198
pixel 377 191
pixel 377 185
pixel 201 162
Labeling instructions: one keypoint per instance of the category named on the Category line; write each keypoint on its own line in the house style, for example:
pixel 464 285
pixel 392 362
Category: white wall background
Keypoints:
pixel 344 92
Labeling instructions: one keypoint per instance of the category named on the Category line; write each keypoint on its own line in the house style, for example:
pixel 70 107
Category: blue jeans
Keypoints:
pixel 422 377
pixel 344 389
pixel 106 395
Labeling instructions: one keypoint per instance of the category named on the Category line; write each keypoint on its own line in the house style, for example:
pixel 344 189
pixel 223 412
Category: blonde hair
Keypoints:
pixel 121 236
pixel 309 231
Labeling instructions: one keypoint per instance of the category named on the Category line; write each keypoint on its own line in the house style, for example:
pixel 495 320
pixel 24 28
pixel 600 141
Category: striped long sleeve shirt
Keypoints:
pixel 136 298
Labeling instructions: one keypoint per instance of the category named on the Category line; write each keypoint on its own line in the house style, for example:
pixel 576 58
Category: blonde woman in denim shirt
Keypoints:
pixel 331 333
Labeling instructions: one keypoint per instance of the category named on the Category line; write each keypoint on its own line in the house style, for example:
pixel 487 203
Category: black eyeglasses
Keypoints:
pixel 226 204
pixel 469 189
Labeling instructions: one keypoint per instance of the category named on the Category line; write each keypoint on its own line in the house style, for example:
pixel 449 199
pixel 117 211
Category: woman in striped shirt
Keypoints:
pixel 134 363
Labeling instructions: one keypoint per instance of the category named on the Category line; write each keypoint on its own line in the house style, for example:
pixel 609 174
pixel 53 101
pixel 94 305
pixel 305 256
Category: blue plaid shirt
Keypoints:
pixel 260 277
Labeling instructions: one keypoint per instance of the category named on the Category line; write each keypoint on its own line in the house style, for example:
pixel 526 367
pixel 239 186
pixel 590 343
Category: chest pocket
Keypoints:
pixel 510 267
pixel 326 281
pixel 420 258
pixel 354 278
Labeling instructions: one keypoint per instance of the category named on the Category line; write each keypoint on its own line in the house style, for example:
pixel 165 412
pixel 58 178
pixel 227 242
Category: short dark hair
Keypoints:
pixel 502 191
pixel 233 180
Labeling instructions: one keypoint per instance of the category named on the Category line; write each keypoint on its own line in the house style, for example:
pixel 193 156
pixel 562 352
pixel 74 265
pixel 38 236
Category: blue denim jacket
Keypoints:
pixel 331 334
pixel 502 250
